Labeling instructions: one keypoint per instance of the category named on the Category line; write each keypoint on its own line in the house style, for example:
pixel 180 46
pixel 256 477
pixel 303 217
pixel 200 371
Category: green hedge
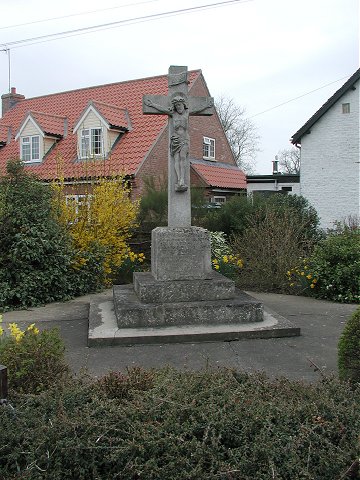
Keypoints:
pixel 349 350
pixel 180 425
pixel 336 262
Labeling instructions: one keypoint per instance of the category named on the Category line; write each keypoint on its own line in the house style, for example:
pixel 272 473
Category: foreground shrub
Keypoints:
pixel 349 350
pixel 124 385
pixel 35 251
pixel 336 261
pixel 34 359
pixel 274 240
pixel 184 426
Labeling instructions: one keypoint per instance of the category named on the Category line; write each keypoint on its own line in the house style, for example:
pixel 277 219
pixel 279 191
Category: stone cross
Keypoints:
pixel 178 106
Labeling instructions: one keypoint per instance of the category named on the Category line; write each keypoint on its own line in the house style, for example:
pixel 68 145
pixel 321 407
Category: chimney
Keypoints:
pixel 9 100
pixel 275 165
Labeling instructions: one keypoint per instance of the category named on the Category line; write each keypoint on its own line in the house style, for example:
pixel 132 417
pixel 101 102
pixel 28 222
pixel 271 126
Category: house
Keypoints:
pixel 330 160
pixel 287 183
pixel 101 131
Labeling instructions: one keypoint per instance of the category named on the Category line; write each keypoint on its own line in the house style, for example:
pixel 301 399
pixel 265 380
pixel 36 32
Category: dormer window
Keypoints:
pixel 92 142
pixel 99 128
pixel 38 133
pixel 30 149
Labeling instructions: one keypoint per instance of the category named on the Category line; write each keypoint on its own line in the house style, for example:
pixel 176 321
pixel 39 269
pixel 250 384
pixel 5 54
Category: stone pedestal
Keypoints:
pixel 182 289
pixel 181 300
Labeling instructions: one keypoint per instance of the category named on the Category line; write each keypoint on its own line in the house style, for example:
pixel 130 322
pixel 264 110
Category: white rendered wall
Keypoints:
pixel 330 167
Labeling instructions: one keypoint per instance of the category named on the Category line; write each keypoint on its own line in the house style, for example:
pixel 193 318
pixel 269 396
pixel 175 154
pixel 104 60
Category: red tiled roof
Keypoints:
pixel 220 175
pixel 49 124
pixel 4 132
pixel 115 116
pixel 126 155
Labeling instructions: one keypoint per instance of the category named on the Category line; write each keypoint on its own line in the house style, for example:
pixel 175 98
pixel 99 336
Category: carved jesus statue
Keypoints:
pixel 180 139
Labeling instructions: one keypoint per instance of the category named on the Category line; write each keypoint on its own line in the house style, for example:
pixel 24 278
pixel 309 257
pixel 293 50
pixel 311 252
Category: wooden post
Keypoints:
pixel 3 383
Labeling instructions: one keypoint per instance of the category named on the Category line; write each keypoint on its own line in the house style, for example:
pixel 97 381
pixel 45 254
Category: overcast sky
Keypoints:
pixel 261 53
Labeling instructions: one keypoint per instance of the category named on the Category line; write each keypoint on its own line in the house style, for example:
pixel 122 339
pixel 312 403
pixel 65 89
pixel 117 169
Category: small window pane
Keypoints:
pixel 35 148
pixel 96 141
pixel 346 108
pixel 85 143
pixel 25 154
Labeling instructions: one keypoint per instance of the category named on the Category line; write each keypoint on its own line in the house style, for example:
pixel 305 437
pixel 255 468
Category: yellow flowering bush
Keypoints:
pixel 103 221
pixel 34 359
pixel 302 277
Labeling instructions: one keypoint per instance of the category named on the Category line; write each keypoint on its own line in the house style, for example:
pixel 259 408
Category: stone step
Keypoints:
pixel 104 330
pixel 132 313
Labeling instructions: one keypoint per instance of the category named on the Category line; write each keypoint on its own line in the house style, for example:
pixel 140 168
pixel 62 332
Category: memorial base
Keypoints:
pixel 105 327
pixel 132 312
pixel 182 300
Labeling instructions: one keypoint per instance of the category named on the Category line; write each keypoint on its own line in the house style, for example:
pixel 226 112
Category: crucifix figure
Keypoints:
pixel 178 106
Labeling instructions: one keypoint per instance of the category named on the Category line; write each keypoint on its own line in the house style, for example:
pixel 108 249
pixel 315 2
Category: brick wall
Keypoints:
pixel 330 162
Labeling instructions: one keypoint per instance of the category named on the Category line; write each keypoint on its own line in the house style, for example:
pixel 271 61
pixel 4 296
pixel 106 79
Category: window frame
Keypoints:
pixel 80 202
pixel 33 147
pixel 345 108
pixel 220 199
pixel 92 142
pixel 209 148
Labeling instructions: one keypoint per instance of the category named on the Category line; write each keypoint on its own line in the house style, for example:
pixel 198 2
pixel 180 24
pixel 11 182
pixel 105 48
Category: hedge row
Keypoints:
pixel 167 424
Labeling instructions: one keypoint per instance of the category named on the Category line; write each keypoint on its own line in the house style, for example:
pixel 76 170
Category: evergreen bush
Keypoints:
pixel 336 262
pixel 204 425
pixel 153 204
pixel 35 251
pixel 349 350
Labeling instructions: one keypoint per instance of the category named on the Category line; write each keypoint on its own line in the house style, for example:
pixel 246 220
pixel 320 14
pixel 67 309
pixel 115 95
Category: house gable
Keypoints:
pixel 330 152
pixel 305 129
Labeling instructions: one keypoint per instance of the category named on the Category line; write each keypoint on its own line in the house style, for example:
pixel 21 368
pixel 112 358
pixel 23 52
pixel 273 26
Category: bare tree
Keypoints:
pixel 241 132
pixel 289 160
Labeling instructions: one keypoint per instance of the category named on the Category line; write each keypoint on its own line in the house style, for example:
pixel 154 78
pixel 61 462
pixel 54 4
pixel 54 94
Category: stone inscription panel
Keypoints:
pixel 180 253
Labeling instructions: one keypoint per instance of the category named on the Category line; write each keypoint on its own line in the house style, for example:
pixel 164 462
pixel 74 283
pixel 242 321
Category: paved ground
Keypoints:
pixel 321 324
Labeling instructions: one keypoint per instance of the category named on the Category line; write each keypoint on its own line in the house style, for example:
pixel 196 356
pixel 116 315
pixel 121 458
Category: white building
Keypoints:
pixel 330 167
pixel 287 183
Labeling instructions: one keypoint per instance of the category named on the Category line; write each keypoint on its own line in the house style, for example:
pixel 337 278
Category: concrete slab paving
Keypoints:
pixel 321 324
